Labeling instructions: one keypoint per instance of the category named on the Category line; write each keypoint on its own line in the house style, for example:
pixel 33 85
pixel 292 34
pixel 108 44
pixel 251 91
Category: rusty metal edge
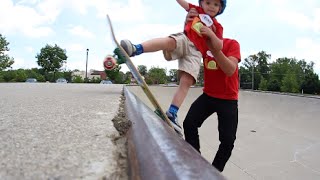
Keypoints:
pixel 156 152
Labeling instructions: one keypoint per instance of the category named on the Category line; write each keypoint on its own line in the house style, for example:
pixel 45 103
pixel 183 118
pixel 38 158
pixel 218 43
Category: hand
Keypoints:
pixel 206 31
pixel 191 14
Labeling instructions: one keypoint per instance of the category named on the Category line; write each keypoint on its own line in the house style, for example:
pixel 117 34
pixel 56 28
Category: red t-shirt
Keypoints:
pixel 194 37
pixel 216 83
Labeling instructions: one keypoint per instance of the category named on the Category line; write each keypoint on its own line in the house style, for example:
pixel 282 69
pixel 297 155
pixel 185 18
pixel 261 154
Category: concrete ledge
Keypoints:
pixel 156 152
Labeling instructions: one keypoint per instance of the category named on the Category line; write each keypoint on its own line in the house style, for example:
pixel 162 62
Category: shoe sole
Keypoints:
pixel 127 46
pixel 176 128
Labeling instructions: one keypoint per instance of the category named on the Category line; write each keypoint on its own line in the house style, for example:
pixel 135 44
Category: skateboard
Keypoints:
pixel 119 57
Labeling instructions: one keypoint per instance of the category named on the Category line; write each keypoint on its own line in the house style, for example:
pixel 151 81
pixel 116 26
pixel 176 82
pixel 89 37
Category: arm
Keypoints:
pixel 213 40
pixel 184 4
pixel 191 14
pixel 227 64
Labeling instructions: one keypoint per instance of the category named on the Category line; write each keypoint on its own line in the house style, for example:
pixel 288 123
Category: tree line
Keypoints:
pixel 257 72
pixel 284 74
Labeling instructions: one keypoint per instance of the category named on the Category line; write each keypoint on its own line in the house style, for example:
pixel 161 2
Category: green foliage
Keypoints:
pixel 21 75
pixel 51 59
pixel 311 84
pixel 142 69
pixel 95 80
pixel 5 60
pixel 77 79
pixel 113 74
pixel 289 83
pixel 127 77
pixel 157 75
pixel 173 75
pixel 200 80
pixel 263 86
pixel 284 74
pixel 274 85
pixel 1 77
pixel 10 76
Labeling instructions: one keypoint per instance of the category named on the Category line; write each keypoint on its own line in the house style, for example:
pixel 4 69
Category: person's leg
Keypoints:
pixel 189 66
pixel 153 45
pixel 199 111
pixel 186 80
pixel 227 126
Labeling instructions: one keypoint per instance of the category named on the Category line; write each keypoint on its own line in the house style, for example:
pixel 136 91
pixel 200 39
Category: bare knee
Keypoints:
pixel 186 79
pixel 171 44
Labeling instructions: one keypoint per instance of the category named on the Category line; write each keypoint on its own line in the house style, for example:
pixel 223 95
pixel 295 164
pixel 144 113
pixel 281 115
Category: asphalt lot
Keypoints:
pixel 278 135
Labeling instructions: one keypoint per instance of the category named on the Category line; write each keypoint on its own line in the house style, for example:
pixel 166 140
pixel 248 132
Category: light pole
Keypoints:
pixel 252 74
pixel 86 80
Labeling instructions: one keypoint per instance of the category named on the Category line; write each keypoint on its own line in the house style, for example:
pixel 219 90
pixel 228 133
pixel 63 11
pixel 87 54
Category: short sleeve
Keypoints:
pixel 199 9
pixel 234 50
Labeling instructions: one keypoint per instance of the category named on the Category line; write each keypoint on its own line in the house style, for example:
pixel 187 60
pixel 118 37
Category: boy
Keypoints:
pixel 188 47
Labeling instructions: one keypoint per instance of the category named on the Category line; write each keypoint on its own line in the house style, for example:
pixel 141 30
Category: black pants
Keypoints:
pixel 227 111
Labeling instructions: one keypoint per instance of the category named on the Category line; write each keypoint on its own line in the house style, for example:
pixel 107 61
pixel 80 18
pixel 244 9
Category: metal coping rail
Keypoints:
pixel 157 152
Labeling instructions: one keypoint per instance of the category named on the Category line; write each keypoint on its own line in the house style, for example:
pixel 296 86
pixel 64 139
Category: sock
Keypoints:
pixel 139 49
pixel 173 109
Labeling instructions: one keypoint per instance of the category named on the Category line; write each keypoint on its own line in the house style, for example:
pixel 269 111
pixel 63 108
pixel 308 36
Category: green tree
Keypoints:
pixel 77 79
pixel 173 74
pixel 142 70
pixel 113 75
pixel 256 66
pixel 290 83
pixel 245 78
pixel 9 76
pixel 311 85
pixel 21 75
pixel 51 59
pixel 201 75
pixel 5 60
pixel 127 77
pixel 157 75
pixel 274 85
pixel 263 65
pixel 263 84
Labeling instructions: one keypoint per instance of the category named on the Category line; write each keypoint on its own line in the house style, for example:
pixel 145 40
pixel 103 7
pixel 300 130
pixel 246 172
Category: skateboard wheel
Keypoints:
pixel 109 63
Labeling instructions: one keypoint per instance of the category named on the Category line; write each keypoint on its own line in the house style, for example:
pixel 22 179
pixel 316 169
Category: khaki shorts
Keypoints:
pixel 189 58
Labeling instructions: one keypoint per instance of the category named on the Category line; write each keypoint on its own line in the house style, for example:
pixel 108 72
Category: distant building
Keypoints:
pixel 91 74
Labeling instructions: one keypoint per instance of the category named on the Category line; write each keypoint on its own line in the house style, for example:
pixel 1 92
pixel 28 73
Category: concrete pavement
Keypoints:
pixel 58 131
pixel 278 136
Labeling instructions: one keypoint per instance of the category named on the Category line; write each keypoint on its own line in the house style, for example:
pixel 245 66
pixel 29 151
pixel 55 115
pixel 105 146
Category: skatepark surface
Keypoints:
pixel 277 138
pixel 64 131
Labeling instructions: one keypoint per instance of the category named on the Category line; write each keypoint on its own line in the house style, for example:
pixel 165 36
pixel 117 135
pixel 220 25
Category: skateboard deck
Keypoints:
pixel 120 56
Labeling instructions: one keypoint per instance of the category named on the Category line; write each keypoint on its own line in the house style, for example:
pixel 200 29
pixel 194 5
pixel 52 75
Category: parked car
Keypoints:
pixel 31 80
pixel 105 82
pixel 61 80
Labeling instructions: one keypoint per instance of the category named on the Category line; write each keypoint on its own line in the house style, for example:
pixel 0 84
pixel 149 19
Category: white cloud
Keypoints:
pixel 29 49
pixel 75 47
pixel 81 31
pixel 19 18
pixel 143 32
pixel 23 63
pixel 126 11
pixel 308 49
pixel 305 17
pixel 317 20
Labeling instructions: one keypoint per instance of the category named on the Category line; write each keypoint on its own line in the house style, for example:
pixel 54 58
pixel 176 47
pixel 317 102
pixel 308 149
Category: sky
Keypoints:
pixel 282 28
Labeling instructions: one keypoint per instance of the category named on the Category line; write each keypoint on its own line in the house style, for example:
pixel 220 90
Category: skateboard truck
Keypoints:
pixel 111 61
